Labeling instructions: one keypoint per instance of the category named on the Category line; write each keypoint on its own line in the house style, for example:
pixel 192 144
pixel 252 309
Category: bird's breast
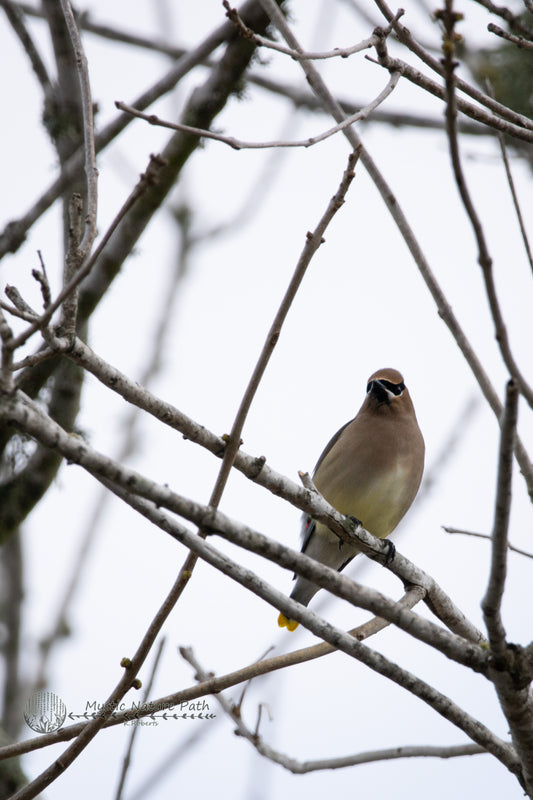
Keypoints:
pixel 379 499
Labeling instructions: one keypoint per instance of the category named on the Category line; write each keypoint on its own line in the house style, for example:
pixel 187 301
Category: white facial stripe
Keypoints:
pixel 390 394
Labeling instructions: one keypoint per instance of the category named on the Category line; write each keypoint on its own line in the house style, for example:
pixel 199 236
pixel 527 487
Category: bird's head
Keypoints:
pixel 386 388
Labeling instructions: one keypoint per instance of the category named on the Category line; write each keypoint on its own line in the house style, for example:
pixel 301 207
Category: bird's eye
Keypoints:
pixel 394 388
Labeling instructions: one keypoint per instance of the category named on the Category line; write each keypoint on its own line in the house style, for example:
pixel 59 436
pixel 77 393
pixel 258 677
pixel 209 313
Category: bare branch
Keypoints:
pixel 303 767
pixel 239 144
pixel 449 19
pixel 296 55
pixel 514 20
pixel 16 18
pixel 69 311
pixel 509 664
pixel 405 37
pixel 127 757
pixel 6 337
pixel 42 279
pixel 12 570
pixel 519 41
pixel 521 132
pixel 91 172
pixel 486 536
pixel 493 596
pixel 514 195
pixel 213 685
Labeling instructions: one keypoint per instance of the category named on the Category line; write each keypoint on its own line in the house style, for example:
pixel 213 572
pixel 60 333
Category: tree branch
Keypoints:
pixel 487 537
pixel 303 767
pixel 491 604
pixel 240 144
pixel 485 261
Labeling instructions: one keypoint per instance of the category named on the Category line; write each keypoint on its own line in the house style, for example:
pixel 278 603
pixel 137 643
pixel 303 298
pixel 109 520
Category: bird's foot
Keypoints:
pixel 391 552
pixel 356 522
pixel 284 622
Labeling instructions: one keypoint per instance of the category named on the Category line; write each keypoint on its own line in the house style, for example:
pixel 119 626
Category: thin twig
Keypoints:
pixel 515 20
pixel 514 194
pixel 298 767
pixel 16 312
pixel 18 301
pixel 91 171
pixel 486 536
pixel 449 19
pixel 127 756
pixel 509 664
pixel 42 279
pixel 492 600
pixel 16 18
pixel 262 41
pixel 405 37
pixel 519 41
pixel 6 337
pixel 37 358
pixel 240 144
pixel 298 96
pixel 69 309
pixel 518 131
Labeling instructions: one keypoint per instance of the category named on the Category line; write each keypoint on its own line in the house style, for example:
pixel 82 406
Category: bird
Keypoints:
pixel 370 470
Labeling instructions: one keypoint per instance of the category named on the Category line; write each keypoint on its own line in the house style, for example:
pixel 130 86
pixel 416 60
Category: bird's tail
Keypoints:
pixel 290 624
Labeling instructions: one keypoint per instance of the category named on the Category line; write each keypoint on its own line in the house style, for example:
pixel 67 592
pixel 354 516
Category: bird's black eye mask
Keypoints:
pixel 395 388
pixel 383 389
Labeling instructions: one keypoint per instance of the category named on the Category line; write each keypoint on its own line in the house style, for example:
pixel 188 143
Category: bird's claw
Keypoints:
pixel 356 522
pixel 391 552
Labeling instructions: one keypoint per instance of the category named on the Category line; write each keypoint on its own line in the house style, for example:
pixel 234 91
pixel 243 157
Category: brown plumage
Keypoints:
pixel 370 470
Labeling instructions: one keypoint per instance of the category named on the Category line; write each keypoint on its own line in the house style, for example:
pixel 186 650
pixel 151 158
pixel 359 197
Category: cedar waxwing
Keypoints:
pixel 370 470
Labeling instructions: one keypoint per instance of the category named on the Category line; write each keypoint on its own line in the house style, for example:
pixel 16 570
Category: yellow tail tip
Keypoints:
pixel 290 624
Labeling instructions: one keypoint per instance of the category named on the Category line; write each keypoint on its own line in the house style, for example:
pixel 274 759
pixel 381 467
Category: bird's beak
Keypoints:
pixel 380 392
